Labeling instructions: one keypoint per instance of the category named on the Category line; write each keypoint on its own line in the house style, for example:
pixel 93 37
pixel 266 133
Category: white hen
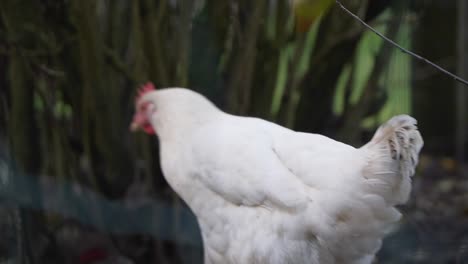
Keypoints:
pixel 265 194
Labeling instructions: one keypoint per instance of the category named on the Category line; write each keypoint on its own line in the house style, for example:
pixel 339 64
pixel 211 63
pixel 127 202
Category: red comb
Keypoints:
pixel 145 88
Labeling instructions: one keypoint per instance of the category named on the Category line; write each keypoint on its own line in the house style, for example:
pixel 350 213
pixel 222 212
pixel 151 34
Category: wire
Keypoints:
pixel 457 78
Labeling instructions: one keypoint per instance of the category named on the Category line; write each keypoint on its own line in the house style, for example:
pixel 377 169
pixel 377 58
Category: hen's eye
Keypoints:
pixel 144 107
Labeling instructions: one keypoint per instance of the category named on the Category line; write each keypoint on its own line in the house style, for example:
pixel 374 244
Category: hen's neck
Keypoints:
pixel 179 126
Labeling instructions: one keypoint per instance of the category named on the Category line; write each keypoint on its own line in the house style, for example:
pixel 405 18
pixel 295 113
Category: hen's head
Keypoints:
pixel 170 110
pixel 144 108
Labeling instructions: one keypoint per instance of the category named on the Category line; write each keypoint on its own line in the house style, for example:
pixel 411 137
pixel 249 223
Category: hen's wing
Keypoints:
pixel 241 165
pixel 256 163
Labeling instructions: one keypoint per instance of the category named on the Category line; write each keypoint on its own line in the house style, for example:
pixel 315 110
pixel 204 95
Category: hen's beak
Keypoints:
pixel 134 127
pixel 136 122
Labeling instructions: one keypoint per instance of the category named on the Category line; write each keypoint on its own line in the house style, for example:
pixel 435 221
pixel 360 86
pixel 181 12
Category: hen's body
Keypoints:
pixel 265 194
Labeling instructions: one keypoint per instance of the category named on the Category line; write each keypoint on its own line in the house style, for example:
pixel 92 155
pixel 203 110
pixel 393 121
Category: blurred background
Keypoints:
pixel 77 187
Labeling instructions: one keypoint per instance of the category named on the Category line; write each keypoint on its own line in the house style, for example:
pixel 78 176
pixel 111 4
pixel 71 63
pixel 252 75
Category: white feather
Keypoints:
pixel 265 194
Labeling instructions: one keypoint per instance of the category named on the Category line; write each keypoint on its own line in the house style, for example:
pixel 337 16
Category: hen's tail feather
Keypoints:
pixel 393 156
